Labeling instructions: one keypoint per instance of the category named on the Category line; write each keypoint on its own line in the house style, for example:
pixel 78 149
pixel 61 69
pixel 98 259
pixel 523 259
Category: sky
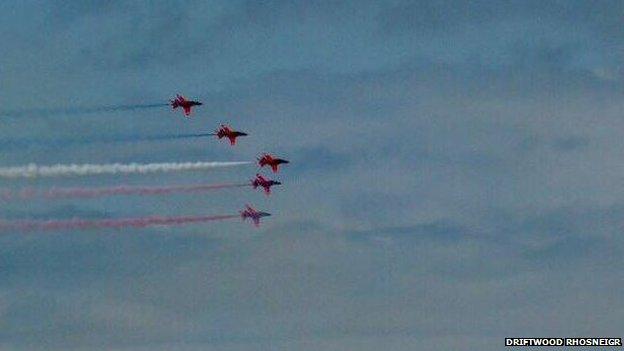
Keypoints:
pixel 456 173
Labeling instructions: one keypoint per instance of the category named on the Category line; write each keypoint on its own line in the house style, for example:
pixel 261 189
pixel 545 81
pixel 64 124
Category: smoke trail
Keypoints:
pixel 60 193
pixel 173 136
pixel 78 110
pixel 19 144
pixel 138 138
pixel 81 224
pixel 33 170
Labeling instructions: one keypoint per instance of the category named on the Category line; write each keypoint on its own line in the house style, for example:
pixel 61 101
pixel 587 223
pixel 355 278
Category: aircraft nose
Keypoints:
pixel 285 161
pixel 199 103
pixel 242 134
pixel 278 183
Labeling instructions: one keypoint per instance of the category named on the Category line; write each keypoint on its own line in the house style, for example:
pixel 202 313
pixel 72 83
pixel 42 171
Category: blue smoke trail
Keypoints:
pixel 20 144
pixel 45 112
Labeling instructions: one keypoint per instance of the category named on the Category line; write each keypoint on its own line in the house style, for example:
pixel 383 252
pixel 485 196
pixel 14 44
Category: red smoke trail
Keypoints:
pixel 59 193
pixel 82 224
pixel 129 190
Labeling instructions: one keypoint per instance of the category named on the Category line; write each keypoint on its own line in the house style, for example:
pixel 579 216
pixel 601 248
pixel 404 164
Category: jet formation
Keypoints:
pixel 225 131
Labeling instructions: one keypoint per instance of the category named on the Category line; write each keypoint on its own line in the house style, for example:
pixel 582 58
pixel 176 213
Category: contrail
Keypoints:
pixel 61 193
pixel 34 171
pixel 78 110
pixel 82 224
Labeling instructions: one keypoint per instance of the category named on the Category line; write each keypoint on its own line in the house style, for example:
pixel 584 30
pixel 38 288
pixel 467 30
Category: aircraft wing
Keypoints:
pixel 187 110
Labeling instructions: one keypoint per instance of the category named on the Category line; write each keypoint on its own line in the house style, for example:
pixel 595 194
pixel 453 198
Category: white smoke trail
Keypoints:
pixel 34 171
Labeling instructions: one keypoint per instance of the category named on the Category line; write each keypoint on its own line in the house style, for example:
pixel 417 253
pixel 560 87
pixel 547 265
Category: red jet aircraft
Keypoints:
pixel 267 159
pixel 250 212
pixel 227 132
pixel 181 101
pixel 265 183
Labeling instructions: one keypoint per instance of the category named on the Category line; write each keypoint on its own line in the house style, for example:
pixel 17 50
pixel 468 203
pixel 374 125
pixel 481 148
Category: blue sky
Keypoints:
pixel 456 174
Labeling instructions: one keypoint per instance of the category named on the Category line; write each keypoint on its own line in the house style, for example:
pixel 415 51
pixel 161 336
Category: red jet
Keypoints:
pixel 181 101
pixel 227 132
pixel 265 183
pixel 267 159
pixel 250 212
